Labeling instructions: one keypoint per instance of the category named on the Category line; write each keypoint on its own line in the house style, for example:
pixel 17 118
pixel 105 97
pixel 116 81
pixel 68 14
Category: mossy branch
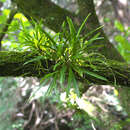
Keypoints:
pixel 13 64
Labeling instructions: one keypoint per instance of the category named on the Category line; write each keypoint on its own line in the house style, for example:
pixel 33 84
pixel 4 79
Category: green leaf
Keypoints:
pixel 6 12
pixel 47 76
pixel 64 30
pixel 78 70
pixel 57 65
pixel 38 58
pixel 62 74
pixel 51 86
pixel 75 85
pixel 71 27
pixel 122 75
pixel 90 33
pixel 82 25
pixel 64 26
pixel 120 39
pixel 106 19
pixel 2 0
pixel 95 75
pixel 124 42
pixel 69 81
pixel 119 26
pixel 94 38
pixel 49 37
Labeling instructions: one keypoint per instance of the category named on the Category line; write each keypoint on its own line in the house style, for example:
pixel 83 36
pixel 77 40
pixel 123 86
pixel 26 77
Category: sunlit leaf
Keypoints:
pixel 71 26
pixel 6 12
pixel 50 38
pixel 119 26
pixel 94 38
pixel 20 16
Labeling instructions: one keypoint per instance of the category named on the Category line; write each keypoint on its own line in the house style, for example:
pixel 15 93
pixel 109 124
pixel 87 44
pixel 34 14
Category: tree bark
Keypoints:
pixel 86 7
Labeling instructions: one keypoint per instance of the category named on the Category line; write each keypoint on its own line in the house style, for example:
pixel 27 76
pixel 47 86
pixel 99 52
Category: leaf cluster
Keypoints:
pixel 71 53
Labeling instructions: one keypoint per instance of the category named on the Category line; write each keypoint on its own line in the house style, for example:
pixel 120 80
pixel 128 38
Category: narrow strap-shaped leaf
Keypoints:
pixel 82 25
pixel 95 75
pixel 62 74
pixel 122 75
pixel 50 47
pixel 47 76
pixel 75 85
pixel 51 86
pixel 94 38
pixel 56 65
pixel 78 70
pixel 64 26
pixel 65 31
pixel 50 38
pixel 69 81
pixel 90 33
pixel 71 26
pixel 38 58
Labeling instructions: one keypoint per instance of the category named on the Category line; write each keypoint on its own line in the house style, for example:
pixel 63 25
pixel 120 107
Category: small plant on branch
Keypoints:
pixel 73 56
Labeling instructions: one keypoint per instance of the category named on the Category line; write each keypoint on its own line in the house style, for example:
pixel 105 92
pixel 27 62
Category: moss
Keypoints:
pixel 12 57
pixel 12 64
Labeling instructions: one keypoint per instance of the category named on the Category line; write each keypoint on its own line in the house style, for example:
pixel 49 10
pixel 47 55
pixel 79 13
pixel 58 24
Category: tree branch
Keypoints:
pixel 13 64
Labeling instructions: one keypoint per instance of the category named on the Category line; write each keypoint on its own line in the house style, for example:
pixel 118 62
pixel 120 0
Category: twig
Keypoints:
pixel 31 114
pixel 92 124
pixel 49 121
pixel 56 117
